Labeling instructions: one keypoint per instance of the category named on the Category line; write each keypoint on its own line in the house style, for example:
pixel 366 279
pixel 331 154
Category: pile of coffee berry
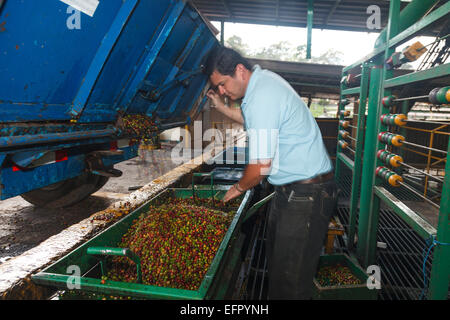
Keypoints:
pixel 336 275
pixel 176 242
pixel 140 127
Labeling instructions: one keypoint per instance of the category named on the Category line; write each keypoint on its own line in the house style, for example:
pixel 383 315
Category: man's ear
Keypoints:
pixel 240 70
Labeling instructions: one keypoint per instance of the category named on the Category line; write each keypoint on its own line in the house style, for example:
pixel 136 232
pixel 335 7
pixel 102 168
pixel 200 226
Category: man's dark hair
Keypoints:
pixel 224 60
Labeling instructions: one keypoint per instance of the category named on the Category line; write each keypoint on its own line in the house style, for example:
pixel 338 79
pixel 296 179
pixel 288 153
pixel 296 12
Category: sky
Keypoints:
pixel 353 45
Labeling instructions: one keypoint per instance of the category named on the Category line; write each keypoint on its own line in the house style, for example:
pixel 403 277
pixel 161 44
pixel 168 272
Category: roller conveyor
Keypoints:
pixel 401 262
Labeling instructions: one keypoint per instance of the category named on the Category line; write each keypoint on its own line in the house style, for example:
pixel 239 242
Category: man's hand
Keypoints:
pixel 231 194
pixel 254 173
pixel 216 99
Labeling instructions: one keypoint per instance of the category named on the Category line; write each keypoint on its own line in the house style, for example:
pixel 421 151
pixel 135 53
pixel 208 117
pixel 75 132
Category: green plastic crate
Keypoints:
pixel 343 292
pixel 215 284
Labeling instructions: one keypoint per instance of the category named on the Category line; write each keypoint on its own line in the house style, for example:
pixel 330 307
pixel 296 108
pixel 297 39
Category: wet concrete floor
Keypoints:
pixel 23 226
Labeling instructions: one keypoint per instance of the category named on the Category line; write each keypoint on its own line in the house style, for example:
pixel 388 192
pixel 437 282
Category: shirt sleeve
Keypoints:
pixel 263 124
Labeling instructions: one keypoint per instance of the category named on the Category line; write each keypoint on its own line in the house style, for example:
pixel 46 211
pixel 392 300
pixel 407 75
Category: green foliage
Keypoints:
pixel 323 108
pixel 236 43
pixel 316 110
pixel 330 56
pixel 323 102
pixel 284 51
pixel 277 51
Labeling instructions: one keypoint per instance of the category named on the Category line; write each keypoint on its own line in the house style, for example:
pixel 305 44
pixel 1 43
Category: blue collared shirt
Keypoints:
pixel 280 127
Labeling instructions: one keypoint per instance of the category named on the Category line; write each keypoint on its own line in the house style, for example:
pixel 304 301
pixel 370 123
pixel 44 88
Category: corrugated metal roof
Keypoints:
pixel 348 15
pixel 308 79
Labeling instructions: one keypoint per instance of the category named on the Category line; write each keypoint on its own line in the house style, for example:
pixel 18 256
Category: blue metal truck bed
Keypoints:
pixel 67 79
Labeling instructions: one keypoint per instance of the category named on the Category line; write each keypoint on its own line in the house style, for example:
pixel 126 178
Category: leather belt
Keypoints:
pixel 318 179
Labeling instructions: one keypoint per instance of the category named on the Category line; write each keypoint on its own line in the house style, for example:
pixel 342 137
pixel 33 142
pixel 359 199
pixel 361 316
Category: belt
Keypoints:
pixel 317 179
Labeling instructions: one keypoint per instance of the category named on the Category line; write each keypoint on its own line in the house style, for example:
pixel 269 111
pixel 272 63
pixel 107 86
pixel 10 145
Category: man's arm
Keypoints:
pixel 234 114
pixel 253 174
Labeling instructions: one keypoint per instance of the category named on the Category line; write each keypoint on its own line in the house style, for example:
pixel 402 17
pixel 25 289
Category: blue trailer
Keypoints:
pixel 70 74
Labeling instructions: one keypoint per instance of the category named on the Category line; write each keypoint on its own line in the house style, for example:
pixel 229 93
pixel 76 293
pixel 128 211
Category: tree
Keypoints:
pixel 330 56
pixel 284 51
pixel 277 51
pixel 300 53
pixel 235 42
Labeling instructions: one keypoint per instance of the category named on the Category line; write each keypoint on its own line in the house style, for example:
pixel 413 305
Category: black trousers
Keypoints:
pixel 297 226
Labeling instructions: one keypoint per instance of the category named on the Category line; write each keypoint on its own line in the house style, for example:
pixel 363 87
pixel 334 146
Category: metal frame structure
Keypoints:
pixel 376 82
pixel 343 15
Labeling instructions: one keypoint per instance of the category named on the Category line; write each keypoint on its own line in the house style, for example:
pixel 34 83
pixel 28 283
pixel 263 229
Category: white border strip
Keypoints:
pixel 86 6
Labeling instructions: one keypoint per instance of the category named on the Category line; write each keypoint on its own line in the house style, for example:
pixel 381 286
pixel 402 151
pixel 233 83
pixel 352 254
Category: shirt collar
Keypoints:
pixel 251 83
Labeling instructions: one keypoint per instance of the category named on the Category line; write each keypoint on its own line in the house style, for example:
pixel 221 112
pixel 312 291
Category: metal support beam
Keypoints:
pixel 351 91
pixel 368 173
pixel 222 32
pixel 415 221
pixel 356 178
pixel 412 13
pixel 309 27
pixel 227 9
pixel 406 34
pixel 441 257
pixel 277 11
pixel 336 4
pixel 432 73
pixel 345 160
pixel 367 232
pixel 341 106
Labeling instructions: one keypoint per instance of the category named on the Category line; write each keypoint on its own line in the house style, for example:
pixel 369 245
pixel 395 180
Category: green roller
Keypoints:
pixel 389 176
pixel 388 101
pixel 393 119
pixel 344 123
pixel 389 158
pixel 343 144
pixel 440 95
pixel 391 139
pixel 343 134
